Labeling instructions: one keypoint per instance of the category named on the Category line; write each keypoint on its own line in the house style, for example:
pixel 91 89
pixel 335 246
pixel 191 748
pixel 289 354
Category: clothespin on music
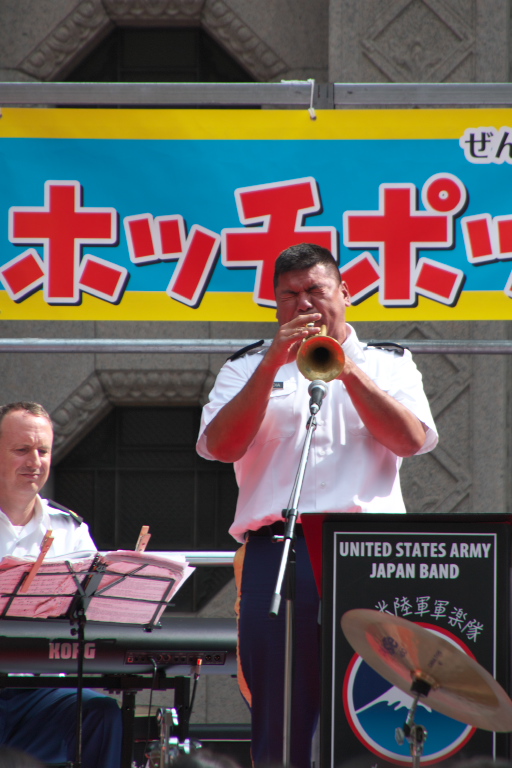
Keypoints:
pixel 45 546
pixel 144 537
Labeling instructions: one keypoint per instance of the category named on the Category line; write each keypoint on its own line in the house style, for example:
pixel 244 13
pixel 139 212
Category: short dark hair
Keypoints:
pixel 34 408
pixel 304 256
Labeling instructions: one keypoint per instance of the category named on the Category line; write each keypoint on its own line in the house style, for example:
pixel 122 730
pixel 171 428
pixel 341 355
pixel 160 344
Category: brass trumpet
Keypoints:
pixel 320 357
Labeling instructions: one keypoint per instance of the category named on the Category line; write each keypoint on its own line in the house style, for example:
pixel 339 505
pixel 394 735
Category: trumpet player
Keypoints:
pixel 374 414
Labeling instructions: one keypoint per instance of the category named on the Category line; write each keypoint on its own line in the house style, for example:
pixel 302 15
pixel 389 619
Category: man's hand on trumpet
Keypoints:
pixel 289 337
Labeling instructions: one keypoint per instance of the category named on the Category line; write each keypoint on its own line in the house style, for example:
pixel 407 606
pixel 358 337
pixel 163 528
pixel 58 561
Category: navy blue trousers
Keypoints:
pixel 42 722
pixel 262 653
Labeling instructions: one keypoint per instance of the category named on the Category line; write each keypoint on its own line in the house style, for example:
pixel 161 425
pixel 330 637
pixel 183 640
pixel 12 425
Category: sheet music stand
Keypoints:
pixel 87 589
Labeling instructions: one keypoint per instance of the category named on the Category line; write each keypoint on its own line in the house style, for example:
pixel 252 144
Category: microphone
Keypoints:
pixel 318 390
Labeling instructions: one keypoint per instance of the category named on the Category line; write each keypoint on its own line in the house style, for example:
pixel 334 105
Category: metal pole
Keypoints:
pixel 290 93
pixel 228 346
pixel 287 568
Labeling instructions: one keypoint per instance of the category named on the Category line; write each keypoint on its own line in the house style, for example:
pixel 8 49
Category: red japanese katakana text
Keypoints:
pixel 280 208
pixel 398 229
pixel 164 239
pixel 63 226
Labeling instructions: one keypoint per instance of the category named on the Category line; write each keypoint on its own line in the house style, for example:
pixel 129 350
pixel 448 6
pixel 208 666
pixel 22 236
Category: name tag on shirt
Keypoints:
pixel 277 385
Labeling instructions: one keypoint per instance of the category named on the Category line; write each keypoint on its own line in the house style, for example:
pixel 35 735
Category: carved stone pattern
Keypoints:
pixel 439 482
pixel 71 419
pixel 104 389
pixel 418 41
pixel 51 55
pixel 154 10
pixel 234 35
pixel 91 17
pixel 158 387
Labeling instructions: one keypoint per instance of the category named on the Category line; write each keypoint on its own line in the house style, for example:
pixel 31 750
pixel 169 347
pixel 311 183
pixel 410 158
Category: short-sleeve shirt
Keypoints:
pixel 348 470
pixel 69 534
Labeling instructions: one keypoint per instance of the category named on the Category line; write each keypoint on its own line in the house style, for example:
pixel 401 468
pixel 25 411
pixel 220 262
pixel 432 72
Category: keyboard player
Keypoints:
pixel 42 722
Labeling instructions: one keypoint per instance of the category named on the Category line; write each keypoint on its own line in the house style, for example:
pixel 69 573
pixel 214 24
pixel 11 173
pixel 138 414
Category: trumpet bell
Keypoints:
pixel 320 357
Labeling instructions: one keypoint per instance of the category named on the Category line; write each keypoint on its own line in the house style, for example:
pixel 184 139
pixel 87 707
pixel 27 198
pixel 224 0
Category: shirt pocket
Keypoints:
pixel 280 416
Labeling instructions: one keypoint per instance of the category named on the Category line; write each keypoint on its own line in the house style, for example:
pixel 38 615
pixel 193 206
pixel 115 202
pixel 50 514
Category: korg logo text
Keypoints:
pixel 70 651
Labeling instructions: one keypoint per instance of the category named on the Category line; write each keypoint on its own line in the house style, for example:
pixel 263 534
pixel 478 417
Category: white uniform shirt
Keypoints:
pixel 348 470
pixel 22 541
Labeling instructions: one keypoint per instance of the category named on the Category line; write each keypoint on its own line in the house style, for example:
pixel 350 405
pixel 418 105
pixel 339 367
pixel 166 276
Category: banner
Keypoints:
pixel 447 573
pixel 145 214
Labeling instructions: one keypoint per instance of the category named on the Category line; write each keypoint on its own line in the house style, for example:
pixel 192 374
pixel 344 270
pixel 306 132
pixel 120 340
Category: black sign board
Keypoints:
pixel 449 573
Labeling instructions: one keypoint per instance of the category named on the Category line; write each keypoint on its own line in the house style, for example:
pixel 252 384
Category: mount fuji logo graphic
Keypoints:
pixel 375 709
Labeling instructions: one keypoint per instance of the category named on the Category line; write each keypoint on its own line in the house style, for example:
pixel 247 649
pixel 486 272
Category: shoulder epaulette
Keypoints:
pixel 245 350
pixel 389 346
pixel 61 508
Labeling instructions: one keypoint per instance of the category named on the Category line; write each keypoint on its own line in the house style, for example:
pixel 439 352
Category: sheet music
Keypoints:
pixel 135 587
pixel 158 578
pixel 51 592
pixel 172 561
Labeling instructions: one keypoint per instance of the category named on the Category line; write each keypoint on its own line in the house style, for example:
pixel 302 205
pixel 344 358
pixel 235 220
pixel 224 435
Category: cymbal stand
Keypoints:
pixel 287 567
pixel 170 747
pixel 415 734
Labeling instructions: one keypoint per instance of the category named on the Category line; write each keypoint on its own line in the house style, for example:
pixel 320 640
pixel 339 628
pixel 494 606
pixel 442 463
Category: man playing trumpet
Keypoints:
pixel 374 414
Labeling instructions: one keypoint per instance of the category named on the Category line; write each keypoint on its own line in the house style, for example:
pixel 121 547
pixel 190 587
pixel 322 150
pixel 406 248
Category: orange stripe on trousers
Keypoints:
pixel 238 565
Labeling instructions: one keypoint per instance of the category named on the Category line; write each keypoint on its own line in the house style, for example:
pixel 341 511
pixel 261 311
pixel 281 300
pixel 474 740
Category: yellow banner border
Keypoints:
pixel 154 306
pixel 246 124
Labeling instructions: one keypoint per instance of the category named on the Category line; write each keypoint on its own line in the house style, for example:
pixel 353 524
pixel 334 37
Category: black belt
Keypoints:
pixel 276 529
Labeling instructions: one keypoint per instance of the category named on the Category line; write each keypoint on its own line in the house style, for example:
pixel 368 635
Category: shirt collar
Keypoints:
pixel 36 519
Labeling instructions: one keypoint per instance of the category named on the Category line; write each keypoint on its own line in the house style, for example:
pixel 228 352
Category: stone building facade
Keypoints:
pixel 332 41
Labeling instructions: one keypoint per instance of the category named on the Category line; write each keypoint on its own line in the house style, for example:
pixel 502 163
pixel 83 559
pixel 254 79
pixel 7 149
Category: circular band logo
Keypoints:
pixel 375 709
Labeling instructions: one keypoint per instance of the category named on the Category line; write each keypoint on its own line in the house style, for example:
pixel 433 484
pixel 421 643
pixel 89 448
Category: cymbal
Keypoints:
pixel 401 652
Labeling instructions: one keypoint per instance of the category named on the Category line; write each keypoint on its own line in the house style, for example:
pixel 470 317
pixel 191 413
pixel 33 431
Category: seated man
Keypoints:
pixel 42 722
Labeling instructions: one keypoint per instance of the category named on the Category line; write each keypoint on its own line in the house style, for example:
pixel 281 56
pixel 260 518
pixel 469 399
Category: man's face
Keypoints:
pixel 306 291
pixel 25 453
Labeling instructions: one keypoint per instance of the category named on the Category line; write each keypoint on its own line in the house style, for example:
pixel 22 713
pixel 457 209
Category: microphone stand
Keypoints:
pixel 287 567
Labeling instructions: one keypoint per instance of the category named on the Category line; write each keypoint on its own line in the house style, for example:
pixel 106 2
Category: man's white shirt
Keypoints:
pixel 348 470
pixel 22 541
